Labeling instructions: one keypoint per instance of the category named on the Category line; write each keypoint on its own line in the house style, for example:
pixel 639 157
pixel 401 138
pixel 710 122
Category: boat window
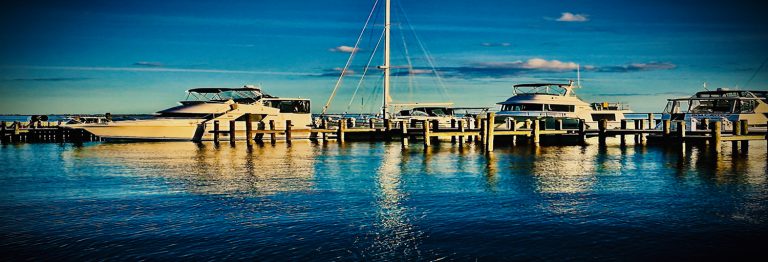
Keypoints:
pixel 562 108
pixel 668 108
pixel 712 106
pixel 404 113
pixel 523 107
pixel 746 107
pixel 290 106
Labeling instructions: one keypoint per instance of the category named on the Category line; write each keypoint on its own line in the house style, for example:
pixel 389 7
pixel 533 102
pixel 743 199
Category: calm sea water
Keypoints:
pixel 374 201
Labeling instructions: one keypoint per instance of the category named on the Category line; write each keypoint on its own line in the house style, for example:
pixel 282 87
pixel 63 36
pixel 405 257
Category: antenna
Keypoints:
pixel 578 75
pixel 705 85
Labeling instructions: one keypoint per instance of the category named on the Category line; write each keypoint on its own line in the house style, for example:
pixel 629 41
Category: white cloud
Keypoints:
pixel 533 64
pixel 419 71
pixel 571 17
pixel 344 49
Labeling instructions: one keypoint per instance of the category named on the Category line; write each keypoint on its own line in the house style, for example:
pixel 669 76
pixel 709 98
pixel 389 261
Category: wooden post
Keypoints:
pixel 705 122
pixel 744 132
pixel 491 127
pixel 272 135
pixel 324 125
pixel 666 126
pixel 624 127
pixel 478 124
pixel 371 123
pixel 288 128
pixel 461 129
pixel 404 133
pixel 387 125
pixel 340 131
pixel 681 130
pixel 248 130
pixel 582 130
pixel 528 124
pixel 427 130
pixel 260 126
pixel 736 132
pixel 216 131
pixel 650 121
pixel 639 138
pixel 558 124
pixel 716 136
pixel 453 127
pixel 535 132
pixel 483 129
pixel 232 131
pixel 602 126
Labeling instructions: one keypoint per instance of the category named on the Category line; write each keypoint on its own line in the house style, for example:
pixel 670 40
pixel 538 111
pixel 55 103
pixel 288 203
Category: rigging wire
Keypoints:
pixel 408 60
pixel 427 55
pixel 756 72
pixel 349 60
pixel 365 71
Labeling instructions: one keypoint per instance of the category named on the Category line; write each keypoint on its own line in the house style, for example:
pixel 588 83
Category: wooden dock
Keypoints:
pixel 479 131
pixel 42 132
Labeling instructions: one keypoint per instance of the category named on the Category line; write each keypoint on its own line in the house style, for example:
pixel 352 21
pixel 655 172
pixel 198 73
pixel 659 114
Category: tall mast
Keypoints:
pixel 385 105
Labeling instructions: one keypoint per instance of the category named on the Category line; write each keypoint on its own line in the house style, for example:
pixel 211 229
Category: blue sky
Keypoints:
pixel 140 56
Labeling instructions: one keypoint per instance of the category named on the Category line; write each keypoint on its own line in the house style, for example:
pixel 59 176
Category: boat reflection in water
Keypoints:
pixel 378 201
pixel 203 168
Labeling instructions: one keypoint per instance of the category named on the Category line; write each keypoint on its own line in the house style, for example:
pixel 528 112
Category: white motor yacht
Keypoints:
pixel 195 117
pixel 726 106
pixel 558 101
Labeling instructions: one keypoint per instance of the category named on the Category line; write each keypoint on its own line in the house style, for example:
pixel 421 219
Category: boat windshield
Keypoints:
pixel 712 106
pixel 544 89
pixel 239 95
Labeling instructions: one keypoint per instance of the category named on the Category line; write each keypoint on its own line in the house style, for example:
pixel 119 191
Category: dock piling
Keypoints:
pixel 232 131
pixel 272 135
pixel 715 135
pixel 216 131
pixel 248 130
pixel 490 126
pixel 288 128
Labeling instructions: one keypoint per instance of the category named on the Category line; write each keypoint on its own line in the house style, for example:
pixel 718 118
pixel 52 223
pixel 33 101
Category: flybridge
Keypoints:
pixel 242 94
pixel 544 89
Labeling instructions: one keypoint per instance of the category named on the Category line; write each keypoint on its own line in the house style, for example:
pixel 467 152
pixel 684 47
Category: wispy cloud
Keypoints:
pixel 336 72
pixel 51 79
pixel 635 67
pixel 677 93
pixel 344 49
pixel 148 64
pixel 532 64
pixel 571 17
pixel 504 44
pixel 162 69
pixel 414 71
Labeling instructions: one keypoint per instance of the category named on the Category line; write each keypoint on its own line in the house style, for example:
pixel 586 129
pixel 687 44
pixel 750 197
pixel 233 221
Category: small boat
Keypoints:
pixel 558 101
pixel 194 118
pixel 724 105
pixel 444 113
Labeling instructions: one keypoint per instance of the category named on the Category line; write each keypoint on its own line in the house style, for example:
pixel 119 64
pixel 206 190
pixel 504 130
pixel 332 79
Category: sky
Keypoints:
pixel 141 56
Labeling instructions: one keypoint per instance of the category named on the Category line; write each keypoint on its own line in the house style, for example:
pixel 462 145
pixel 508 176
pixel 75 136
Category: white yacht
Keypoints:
pixel 558 101
pixel 726 106
pixel 194 117
pixel 444 113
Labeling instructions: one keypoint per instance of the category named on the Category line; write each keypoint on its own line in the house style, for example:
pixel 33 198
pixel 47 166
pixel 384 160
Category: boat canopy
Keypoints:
pixel 553 89
pixel 246 94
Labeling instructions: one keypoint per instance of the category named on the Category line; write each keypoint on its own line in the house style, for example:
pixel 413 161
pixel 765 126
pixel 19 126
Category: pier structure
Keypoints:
pixel 485 131
pixel 481 130
pixel 42 132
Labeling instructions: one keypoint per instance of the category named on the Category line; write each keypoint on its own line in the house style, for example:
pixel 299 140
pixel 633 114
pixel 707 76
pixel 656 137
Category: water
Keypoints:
pixel 374 201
